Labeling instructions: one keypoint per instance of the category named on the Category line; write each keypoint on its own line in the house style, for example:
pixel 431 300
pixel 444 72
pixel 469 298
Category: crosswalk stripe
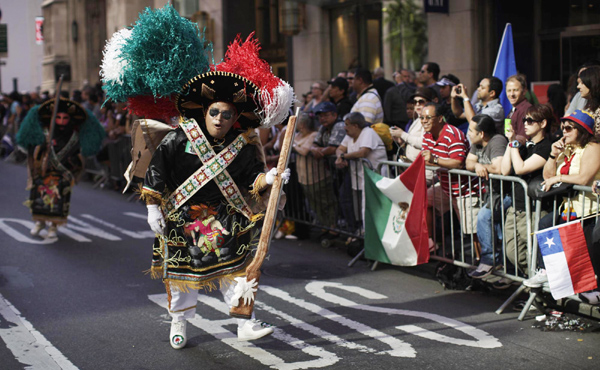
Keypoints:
pixel 28 345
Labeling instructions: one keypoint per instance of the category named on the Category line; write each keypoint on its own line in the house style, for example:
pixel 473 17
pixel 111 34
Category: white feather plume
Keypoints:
pixel 276 104
pixel 113 64
pixel 244 290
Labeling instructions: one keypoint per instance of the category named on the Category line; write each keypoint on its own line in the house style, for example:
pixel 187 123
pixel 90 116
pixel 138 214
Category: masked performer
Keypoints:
pixel 206 185
pixel 55 164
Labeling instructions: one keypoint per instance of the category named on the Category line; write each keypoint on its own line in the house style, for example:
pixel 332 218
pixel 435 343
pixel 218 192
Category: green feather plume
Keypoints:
pixel 91 135
pixel 163 52
pixel 31 133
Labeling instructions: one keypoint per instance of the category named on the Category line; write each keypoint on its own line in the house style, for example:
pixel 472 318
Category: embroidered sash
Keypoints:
pixel 214 167
pixel 57 158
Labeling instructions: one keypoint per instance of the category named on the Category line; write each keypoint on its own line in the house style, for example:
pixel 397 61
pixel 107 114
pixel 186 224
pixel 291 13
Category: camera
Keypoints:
pixel 458 89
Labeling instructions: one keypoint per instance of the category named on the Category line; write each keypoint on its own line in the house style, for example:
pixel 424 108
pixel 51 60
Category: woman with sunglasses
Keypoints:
pixel 412 139
pixel 527 162
pixel 574 160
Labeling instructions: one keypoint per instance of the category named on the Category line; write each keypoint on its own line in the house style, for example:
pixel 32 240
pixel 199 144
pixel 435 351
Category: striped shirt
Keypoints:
pixel 369 104
pixel 451 144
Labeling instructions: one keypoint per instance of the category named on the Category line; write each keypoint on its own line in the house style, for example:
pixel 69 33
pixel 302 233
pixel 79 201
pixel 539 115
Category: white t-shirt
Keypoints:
pixel 368 138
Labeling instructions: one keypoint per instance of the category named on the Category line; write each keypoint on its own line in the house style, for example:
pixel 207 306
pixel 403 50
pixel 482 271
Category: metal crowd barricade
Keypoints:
pixel 454 234
pixel 589 198
pixel 322 196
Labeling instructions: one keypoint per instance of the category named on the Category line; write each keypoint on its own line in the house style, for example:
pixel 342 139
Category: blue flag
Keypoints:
pixel 505 65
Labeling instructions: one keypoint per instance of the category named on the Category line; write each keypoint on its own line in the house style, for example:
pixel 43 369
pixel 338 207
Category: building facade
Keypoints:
pixel 313 40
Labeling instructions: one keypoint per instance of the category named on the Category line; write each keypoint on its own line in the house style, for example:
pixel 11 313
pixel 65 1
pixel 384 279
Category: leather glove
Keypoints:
pixel 156 219
pixel 270 176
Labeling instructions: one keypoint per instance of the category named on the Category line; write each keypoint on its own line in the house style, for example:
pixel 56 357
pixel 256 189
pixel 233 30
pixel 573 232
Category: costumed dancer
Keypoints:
pixel 55 163
pixel 206 186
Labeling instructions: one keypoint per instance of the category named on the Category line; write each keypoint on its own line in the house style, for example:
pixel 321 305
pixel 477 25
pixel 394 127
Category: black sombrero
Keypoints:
pixel 74 110
pixel 210 87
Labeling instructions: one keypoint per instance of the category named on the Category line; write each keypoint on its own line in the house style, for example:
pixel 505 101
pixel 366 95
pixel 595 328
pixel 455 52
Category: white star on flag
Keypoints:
pixel 549 242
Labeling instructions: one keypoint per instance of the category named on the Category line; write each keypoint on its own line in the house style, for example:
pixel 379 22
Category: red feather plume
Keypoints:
pixel 243 59
pixel 162 109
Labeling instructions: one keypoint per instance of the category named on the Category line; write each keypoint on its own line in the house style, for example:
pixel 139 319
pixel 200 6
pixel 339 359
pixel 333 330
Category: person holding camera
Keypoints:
pixel 488 94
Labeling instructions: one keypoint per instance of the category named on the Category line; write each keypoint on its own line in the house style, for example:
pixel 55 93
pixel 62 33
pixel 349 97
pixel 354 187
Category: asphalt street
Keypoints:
pixel 84 302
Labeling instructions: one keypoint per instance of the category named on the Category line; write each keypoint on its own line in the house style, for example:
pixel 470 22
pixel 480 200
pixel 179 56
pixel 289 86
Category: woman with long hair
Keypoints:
pixel 588 84
pixel 527 162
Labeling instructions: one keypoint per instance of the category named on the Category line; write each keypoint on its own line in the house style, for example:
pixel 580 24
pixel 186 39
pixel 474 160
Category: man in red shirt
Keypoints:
pixel 445 146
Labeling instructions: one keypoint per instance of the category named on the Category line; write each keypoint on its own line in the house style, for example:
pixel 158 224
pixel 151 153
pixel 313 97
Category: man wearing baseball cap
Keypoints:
pixel 338 94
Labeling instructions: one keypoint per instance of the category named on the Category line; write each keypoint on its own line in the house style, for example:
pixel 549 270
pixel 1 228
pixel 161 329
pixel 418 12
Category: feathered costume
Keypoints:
pixel 51 191
pixel 206 187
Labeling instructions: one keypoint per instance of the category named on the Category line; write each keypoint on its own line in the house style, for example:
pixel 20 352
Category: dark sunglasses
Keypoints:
pixel 566 128
pixel 528 121
pixel 419 101
pixel 226 114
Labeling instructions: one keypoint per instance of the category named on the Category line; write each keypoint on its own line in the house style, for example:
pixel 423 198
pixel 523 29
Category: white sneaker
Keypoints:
pixel 178 337
pixel 538 280
pixel 52 232
pixel 254 329
pixel 39 226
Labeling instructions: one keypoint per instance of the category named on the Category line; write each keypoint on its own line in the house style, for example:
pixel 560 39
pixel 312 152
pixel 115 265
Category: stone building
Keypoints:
pixel 309 40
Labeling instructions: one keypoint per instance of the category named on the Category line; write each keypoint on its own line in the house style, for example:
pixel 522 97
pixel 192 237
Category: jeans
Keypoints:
pixel 486 232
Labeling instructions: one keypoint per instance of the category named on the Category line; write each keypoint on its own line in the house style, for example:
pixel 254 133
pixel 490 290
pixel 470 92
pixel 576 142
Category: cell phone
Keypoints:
pixel 507 125
pixel 458 89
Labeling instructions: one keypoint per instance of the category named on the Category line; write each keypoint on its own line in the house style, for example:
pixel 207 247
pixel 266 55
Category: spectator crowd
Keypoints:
pixel 435 116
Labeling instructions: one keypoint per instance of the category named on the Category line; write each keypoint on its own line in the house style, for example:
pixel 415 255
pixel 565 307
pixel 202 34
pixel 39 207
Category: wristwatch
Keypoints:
pixel 435 159
pixel 515 144
pixel 342 156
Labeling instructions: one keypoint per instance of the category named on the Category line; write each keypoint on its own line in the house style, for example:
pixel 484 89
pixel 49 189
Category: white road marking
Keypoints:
pixel 141 216
pixel 217 329
pixel 28 345
pixel 398 347
pixel 482 339
pixel 84 227
pixel 17 235
pixel 133 234
pixel 325 358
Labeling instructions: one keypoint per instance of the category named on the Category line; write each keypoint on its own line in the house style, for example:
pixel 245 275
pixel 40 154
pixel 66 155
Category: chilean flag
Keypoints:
pixel 395 217
pixel 567 261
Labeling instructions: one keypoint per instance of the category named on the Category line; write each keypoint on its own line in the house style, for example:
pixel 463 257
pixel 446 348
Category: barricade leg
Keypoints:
pixel 532 296
pixel 360 254
pixel 511 299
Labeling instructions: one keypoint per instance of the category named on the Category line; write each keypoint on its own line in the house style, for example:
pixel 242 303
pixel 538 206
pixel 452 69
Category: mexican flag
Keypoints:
pixel 395 217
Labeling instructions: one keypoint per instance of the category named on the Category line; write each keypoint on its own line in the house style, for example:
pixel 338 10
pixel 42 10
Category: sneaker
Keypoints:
pixel 254 329
pixel 502 284
pixel 39 226
pixel 279 234
pixel 481 271
pixel 52 232
pixel 592 297
pixel 178 337
pixel 538 280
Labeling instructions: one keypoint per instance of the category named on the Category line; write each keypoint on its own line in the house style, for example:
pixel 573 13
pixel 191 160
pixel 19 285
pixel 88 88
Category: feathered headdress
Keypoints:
pixel 148 64
pixel 91 133
pixel 160 67
pixel 246 81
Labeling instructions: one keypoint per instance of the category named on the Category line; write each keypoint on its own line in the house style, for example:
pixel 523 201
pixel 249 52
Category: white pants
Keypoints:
pixel 182 305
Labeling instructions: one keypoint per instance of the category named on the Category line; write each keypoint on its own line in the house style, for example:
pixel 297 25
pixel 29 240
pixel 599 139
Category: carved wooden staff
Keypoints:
pixel 244 311
pixel 49 146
